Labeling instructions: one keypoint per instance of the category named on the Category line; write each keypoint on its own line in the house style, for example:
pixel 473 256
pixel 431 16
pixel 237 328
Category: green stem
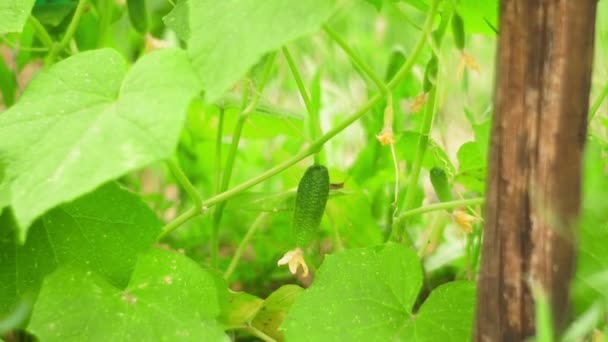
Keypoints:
pixel 402 14
pixel 430 234
pixel 313 119
pixel 317 144
pixel 183 180
pixel 259 334
pixel 598 102
pixel 423 140
pixel 265 75
pixel 441 206
pixel 105 12
pixel 69 33
pixel 218 152
pixel 41 32
pixel 241 248
pixel 338 246
pixel 236 137
pixel 178 221
pixel 356 59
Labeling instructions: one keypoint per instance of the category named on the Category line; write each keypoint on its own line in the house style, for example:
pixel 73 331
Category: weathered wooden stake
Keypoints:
pixel 544 59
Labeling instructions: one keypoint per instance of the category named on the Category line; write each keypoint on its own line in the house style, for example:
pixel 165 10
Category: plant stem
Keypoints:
pixel 338 246
pixel 259 334
pixel 178 221
pixel 41 32
pixel 236 137
pixel 423 140
pixel 317 144
pixel 598 102
pixel 185 183
pixel 430 235
pixel 441 206
pixel 218 152
pixel 241 248
pixel 313 119
pixel 69 33
pixel 105 12
pixel 356 59
pixel 265 75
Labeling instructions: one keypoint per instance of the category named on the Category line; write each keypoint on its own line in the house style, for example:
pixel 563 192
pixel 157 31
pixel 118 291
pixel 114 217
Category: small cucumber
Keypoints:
pixel 138 15
pixel 441 184
pixel 430 74
pixel 395 62
pixel 311 198
pixel 458 31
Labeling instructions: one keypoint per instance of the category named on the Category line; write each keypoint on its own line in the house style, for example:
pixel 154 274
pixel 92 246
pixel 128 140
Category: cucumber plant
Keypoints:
pixel 157 158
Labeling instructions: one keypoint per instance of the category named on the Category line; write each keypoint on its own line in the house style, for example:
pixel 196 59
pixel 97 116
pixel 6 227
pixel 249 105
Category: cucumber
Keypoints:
pixel 311 197
pixel 138 15
pixel 458 31
pixel 395 62
pixel 430 74
pixel 441 185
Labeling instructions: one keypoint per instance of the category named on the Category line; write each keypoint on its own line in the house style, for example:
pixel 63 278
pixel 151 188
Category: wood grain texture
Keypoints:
pixel 544 60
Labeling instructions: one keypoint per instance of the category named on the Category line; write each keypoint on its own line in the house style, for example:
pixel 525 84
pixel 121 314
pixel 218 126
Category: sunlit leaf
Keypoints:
pixel 87 120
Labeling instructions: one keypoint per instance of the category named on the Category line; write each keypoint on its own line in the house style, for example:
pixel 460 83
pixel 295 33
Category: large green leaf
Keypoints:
pixel 369 294
pixel 87 120
pixel 236 33
pixel 102 231
pixel 13 14
pixel 169 298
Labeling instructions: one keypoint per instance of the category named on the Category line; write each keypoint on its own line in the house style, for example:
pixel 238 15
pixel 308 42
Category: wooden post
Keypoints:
pixel 544 61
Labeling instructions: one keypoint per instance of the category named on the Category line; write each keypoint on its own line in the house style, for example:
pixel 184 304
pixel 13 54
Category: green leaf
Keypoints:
pixel 86 120
pixel 591 279
pixel 275 308
pixel 13 14
pixel 446 315
pixel 369 294
pixel 169 298
pixel 267 121
pixel 240 309
pixel 479 16
pixel 407 147
pixel 103 231
pixel 236 33
pixel 471 167
pixel 8 84
pixel 352 216
pixel 53 14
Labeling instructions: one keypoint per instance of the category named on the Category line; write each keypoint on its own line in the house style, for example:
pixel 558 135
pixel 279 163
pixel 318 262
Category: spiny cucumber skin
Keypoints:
pixel 440 183
pixel 311 198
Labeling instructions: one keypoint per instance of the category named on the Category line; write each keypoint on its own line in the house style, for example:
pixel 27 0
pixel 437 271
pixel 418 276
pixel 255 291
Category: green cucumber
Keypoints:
pixel 441 185
pixel 395 62
pixel 311 198
pixel 458 31
pixel 430 74
pixel 138 15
